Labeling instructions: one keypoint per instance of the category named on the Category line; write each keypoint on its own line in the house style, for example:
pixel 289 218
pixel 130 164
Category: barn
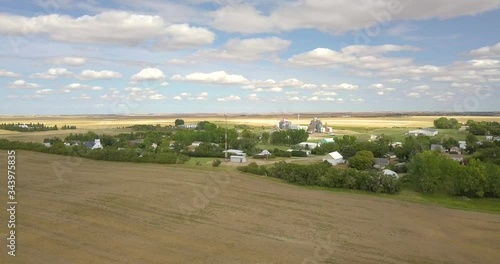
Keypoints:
pixel 334 158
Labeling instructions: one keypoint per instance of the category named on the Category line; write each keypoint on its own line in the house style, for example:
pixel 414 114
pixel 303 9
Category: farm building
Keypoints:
pixel 390 172
pixel 238 159
pixel 307 145
pixel 455 150
pixel 430 132
pixel 315 126
pixel 334 158
pixel 462 144
pixel 380 163
pixel 489 137
pixel 235 152
pixel 96 144
pixel 326 141
pixel 437 147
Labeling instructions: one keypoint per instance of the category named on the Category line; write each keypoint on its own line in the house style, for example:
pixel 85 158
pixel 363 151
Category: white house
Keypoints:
pixel 93 145
pixel 430 132
pixel 334 158
pixel 236 152
pixel 308 145
pixel 154 145
pixel 238 159
pixel 47 144
pixel 462 144
pixel 23 126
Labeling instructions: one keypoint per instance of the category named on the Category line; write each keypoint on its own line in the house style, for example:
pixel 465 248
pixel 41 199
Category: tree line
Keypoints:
pixel 32 127
pixel 324 175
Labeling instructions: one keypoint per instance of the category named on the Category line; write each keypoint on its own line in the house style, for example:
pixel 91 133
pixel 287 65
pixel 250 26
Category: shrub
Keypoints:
pixel 298 153
pixel 216 162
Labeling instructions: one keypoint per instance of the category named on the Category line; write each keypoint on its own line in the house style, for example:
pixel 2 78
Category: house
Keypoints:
pixel 489 137
pixel 189 126
pixel 238 159
pixel 397 144
pixel 47 144
pixel 235 152
pixel 455 150
pixel 456 157
pixel 307 145
pixel 334 158
pixel 373 137
pixel 390 172
pixel 23 126
pixel 462 144
pixel 430 132
pixel 326 141
pixel 496 138
pixel 96 144
pixel 154 145
pixel 437 147
pixel 380 163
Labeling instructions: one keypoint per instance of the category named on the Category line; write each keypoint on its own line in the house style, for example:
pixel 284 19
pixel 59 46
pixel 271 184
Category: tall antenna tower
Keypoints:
pixel 298 119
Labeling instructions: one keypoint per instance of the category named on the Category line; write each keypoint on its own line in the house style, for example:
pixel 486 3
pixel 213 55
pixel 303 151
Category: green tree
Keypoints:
pixel 362 160
pixel 179 122
pixel 265 137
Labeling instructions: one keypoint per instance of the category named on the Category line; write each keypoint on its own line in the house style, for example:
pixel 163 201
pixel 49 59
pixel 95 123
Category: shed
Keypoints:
pixel 334 158
pixel 238 159
pixel 326 141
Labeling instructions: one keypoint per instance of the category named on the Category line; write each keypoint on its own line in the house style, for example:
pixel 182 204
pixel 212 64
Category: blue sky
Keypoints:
pixel 195 56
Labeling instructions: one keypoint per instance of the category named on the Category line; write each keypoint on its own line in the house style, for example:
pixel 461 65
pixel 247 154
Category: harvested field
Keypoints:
pixel 102 122
pixel 105 212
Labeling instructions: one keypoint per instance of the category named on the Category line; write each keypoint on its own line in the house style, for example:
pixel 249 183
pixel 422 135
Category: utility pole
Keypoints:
pixel 225 137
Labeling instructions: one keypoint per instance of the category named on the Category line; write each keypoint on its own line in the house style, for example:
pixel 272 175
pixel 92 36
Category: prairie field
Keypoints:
pixel 103 122
pixel 82 211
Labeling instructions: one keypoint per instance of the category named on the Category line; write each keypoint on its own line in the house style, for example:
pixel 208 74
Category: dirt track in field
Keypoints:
pixel 103 212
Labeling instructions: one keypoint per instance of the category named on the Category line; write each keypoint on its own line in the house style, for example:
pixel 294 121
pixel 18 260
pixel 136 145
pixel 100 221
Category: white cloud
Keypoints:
pixel 229 98
pixel 253 97
pixel 99 75
pixel 52 73
pixel 78 86
pixel 134 29
pixel 378 85
pixel 380 93
pixel 414 95
pixel 177 98
pixel 247 49
pixel 324 93
pixel 22 84
pixel 142 94
pixel 148 74
pixel 421 88
pixel 219 77
pixel 8 74
pixel 342 86
pixel 71 61
pixel 487 52
pixel 339 16
pixel 44 91
pixel 184 36
pixel 395 81
pixel 164 84
pixel 363 50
